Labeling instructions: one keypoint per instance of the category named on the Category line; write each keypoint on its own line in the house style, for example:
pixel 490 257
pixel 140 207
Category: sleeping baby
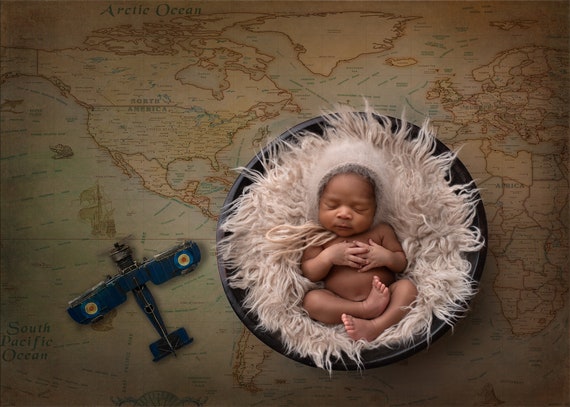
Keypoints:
pixel 359 265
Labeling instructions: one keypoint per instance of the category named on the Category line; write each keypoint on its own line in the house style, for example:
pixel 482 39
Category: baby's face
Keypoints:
pixel 347 205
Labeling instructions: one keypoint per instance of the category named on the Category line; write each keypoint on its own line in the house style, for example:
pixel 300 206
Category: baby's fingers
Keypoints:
pixel 357 251
pixel 357 261
pixel 365 268
pixel 360 244
pixel 373 243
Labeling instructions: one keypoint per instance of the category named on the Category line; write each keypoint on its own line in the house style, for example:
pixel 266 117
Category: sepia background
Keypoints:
pixel 124 121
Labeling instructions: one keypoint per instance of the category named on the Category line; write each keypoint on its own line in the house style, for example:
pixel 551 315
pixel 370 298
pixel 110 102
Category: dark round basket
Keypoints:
pixel 374 357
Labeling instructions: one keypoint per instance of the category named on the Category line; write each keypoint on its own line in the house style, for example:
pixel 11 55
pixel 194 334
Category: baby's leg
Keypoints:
pixel 325 306
pixel 403 293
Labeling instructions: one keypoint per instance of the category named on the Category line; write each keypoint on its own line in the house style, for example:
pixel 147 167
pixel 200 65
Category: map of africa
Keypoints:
pixel 124 121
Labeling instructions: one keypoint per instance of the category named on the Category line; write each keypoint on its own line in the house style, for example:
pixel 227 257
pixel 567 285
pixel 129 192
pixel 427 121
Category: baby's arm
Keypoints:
pixel 317 262
pixel 387 252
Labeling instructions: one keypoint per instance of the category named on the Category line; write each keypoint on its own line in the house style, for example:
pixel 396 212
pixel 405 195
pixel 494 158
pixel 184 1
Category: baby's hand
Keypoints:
pixel 347 254
pixel 374 255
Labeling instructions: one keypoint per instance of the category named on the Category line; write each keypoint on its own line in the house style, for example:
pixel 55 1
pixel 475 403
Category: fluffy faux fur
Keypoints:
pixel 274 220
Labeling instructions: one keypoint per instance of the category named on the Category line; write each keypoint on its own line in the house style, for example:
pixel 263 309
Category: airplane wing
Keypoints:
pixel 173 262
pixel 94 303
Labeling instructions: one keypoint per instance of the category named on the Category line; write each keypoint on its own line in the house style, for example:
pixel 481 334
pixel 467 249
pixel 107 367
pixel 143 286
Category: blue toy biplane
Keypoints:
pixel 94 303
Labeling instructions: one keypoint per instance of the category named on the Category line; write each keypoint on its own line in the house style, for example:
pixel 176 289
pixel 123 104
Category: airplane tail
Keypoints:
pixel 165 346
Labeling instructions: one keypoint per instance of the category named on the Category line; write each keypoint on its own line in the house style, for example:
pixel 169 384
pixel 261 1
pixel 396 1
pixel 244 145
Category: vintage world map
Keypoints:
pixel 125 120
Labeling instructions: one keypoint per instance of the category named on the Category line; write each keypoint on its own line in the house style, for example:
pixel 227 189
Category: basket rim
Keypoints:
pixel 373 357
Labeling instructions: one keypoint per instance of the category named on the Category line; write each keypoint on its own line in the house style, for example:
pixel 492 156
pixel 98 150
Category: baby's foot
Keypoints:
pixel 358 328
pixel 377 300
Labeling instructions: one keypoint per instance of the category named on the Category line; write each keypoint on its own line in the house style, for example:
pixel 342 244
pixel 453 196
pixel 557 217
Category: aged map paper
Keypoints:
pixel 124 120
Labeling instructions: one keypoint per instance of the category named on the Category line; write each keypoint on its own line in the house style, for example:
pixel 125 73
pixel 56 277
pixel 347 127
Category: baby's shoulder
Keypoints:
pixel 381 231
pixel 383 227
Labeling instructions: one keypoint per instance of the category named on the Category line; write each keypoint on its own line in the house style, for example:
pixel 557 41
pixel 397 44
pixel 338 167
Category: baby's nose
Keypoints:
pixel 344 212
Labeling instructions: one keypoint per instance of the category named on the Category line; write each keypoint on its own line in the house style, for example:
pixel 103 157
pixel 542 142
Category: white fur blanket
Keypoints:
pixel 432 219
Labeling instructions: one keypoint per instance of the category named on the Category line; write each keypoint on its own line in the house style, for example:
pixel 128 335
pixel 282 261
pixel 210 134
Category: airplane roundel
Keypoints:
pixel 91 308
pixel 183 259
